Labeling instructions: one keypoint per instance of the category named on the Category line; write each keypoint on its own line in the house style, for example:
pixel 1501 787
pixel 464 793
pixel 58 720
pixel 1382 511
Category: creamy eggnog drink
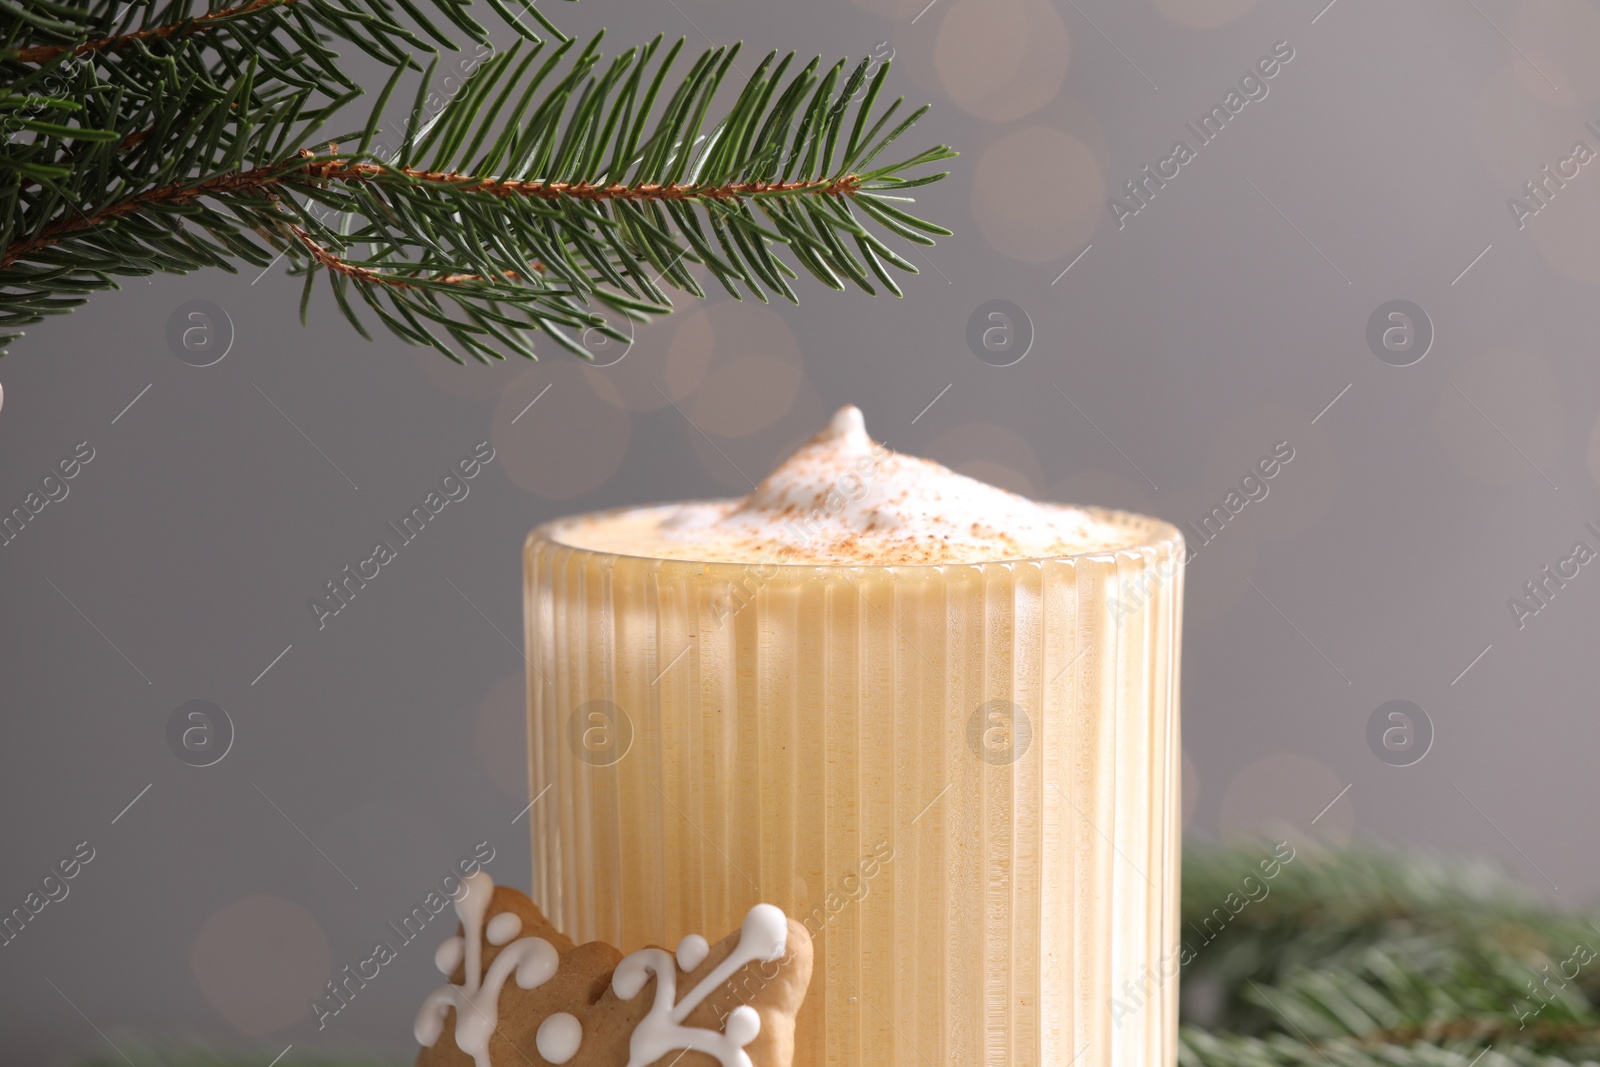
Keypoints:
pixel 930 719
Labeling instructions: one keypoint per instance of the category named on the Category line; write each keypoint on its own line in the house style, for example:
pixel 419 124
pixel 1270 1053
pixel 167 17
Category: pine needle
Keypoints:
pixel 534 191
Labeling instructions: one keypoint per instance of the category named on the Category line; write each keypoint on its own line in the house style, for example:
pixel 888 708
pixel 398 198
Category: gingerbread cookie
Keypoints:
pixel 521 994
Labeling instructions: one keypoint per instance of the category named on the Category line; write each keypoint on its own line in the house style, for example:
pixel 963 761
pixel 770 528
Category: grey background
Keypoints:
pixel 1224 318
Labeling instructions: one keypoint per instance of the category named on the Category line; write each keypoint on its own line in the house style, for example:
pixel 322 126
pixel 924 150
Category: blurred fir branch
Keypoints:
pixel 1360 958
pixel 151 136
pixel 1364 958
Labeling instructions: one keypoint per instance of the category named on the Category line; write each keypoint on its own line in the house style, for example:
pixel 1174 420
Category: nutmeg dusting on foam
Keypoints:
pixel 843 498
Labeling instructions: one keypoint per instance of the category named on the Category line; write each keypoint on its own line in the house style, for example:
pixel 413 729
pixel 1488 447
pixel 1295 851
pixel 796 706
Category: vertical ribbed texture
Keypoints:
pixel 801 736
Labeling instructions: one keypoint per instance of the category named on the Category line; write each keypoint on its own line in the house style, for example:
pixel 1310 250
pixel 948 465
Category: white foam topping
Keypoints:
pixel 844 498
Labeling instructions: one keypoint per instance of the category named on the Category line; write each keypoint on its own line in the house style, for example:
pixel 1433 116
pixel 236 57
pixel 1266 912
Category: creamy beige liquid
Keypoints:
pixel 960 773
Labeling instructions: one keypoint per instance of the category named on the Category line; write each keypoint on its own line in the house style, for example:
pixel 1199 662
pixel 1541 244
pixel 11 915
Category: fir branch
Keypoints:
pixel 1367 958
pixel 551 189
pixel 45 53
pixel 331 262
pixel 337 170
pixel 245 183
pixel 1197 1048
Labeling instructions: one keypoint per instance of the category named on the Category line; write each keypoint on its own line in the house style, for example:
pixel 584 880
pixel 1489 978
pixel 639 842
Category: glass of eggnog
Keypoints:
pixel 932 720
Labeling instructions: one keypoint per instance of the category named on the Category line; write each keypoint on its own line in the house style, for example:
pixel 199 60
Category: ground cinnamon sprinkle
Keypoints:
pixel 843 498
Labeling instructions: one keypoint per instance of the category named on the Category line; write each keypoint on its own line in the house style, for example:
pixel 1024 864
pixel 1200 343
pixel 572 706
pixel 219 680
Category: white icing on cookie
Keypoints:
pixel 477 1003
pixel 504 927
pixel 763 937
pixel 692 951
pixel 559 1037
pixel 447 957
pixel 744 1023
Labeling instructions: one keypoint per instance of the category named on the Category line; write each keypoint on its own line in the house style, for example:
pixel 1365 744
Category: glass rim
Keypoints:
pixel 1155 533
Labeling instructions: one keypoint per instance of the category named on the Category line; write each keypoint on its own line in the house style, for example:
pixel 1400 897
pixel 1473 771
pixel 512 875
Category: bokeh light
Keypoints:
pixel 989 453
pixel 1516 132
pixel 471 380
pixel 689 353
pixel 1556 45
pixel 1564 232
pixel 1001 59
pixel 569 442
pixel 1035 229
pixel 753 372
pixel 736 463
pixel 260 962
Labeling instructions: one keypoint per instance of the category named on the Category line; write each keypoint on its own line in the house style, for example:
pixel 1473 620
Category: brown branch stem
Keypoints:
pixel 45 53
pixel 164 194
pixel 344 171
pixel 340 170
pixel 332 262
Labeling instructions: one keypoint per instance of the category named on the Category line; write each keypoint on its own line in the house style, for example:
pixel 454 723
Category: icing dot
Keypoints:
pixel 767 930
pixel 743 1025
pixel 538 962
pixel 504 927
pixel 692 951
pixel 447 957
pixel 560 1035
